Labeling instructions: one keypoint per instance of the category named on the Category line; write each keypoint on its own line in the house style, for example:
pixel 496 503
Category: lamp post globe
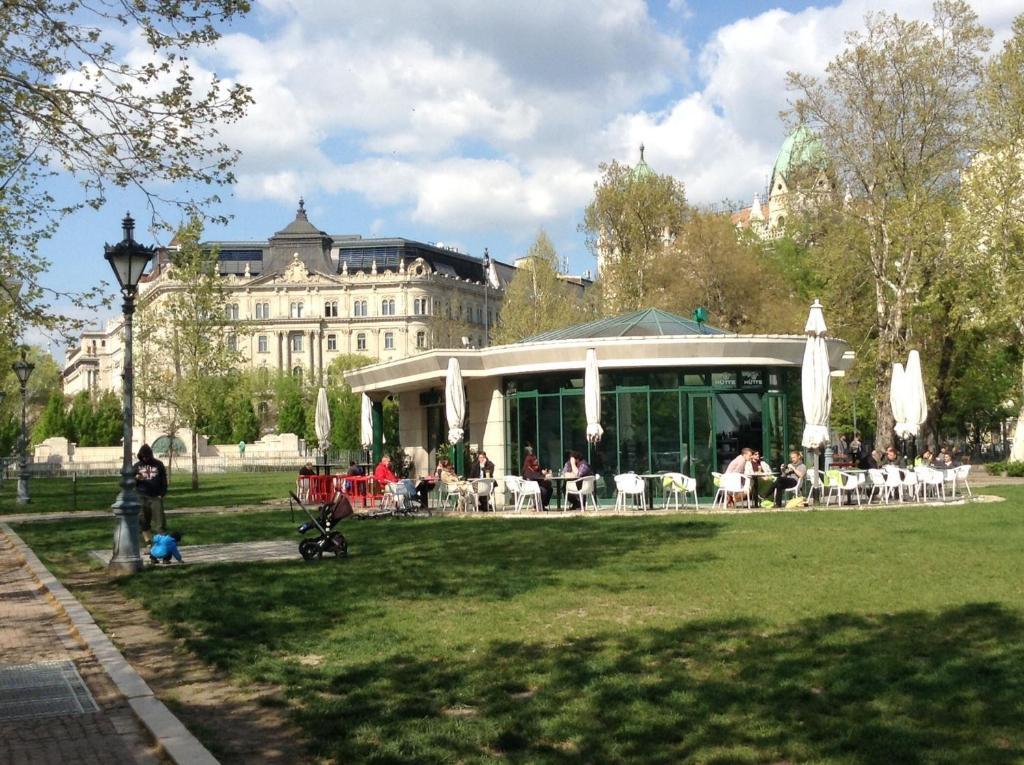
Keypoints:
pixel 128 259
pixel 23 370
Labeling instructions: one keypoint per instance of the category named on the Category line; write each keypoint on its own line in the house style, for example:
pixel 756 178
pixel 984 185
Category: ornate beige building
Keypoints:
pixel 308 297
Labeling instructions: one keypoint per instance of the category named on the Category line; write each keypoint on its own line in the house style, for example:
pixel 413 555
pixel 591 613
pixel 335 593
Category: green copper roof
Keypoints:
pixel 647 323
pixel 801 147
pixel 642 169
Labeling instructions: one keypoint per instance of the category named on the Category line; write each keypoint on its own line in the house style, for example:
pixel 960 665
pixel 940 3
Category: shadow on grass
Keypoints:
pixel 272 605
pixel 904 688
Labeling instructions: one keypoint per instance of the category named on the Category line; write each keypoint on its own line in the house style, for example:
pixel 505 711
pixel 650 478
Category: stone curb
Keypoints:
pixel 173 738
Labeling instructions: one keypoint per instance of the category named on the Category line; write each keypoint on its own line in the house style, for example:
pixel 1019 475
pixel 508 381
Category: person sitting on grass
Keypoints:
pixel 165 546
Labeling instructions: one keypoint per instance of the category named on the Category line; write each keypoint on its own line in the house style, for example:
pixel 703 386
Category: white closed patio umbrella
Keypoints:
pixel 816 385
pixel 898 400
pixel 916 404
pixel 322 422
pixel 366 422
pixel 454 401
pixel 592 397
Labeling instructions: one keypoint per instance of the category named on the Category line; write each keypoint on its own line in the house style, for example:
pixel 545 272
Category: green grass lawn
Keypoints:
pixel 51 495
pixel 881 636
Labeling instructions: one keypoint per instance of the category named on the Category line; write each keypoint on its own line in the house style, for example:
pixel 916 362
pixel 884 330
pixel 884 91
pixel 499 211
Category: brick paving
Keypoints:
pixel 33 631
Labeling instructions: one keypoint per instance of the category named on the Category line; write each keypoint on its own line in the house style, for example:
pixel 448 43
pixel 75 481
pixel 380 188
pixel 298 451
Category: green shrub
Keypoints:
pixel 996 468
pixel 1015 469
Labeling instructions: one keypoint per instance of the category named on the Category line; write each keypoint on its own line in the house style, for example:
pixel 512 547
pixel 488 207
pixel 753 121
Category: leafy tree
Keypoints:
pixel 72 101
pixel 291 407
pixel 80 420
pixel 992 241
pixel 52 422
pixel 895 115
pixel 711 264
pixel 244 424
pixel 632 217
pixel 536 300
pixel 108 420
pixel 191 339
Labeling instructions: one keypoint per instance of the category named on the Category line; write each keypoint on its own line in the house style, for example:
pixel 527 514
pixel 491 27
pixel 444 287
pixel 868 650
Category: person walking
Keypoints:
pixel 151 485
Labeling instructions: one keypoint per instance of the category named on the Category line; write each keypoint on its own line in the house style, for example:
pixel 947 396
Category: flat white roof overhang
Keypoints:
pixel 427 370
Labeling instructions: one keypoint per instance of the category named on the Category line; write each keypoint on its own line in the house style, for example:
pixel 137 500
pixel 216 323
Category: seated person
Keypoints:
pixel 383 475
pixel 482 468
pixel 354 470
pixel 792 474
pixel 892 458
pixel 924 459
pixel 576 467
pixel 871 460
pixel 307 469
pixel 532 472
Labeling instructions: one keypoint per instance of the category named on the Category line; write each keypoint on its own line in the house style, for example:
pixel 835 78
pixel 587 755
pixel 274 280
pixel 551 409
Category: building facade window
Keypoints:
pixel 387 307
pixel 479 315
pixel 297 373
pixel 331 308
pixel 295 310
pixel 332 342
pixel 263 310
pixel 359 308
pixel 421 340
pixel 389 341
pixel 261 344
pixel 231 311
pixel 419 306
pixel 232 343
pixel 296 341
pixel 361 341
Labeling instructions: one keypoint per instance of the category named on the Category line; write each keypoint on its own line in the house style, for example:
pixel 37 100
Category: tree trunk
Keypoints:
pixel 1017 447
pixel 195 460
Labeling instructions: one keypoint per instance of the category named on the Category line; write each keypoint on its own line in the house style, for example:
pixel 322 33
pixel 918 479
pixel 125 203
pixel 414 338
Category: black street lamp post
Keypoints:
pixel 128 259
pixel 23 370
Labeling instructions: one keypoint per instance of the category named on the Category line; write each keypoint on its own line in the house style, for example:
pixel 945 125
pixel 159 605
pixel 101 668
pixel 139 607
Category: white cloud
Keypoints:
pixel 467 117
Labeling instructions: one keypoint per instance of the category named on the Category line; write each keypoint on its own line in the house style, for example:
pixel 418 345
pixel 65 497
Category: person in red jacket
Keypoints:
pixel 383 475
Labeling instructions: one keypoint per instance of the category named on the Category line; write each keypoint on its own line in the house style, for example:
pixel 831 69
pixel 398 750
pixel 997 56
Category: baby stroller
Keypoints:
pixel 329 515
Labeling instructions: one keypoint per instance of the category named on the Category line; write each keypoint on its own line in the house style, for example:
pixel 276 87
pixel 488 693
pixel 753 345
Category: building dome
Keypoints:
pixel 642 170
pixel 801 147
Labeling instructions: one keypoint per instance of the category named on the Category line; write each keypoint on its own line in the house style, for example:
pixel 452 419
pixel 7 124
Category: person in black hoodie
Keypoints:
pixel 151 485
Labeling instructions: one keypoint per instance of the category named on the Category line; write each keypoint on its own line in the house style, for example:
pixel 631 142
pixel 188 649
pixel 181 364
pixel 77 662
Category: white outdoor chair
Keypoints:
pixel 629 485
pixel 848 483
pixel 523 491
pixel 582 489
pixel 732 484
pixel 302 488
pixel 893 483
pixel 879 487
pixel 960 474
pixel 513 487
pixel 910 485
pixel 676 484
pixel 481 489
pixel 930 478
pixel 795 489
pixel 451 497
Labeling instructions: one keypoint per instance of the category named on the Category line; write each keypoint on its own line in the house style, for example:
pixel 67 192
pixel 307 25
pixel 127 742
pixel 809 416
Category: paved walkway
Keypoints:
pixel 67 695
pixel 235 552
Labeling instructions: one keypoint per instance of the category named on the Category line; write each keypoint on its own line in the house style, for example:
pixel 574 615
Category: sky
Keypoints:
pixel 477 123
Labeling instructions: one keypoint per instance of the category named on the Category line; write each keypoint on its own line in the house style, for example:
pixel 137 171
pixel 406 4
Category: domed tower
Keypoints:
pixel 799 172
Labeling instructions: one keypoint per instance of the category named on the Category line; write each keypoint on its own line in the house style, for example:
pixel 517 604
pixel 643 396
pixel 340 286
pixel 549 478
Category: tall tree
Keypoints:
pixel 634 214
pixel 74 99
pixel 536 299
pixel 712 264
pixel 895 115
pixel 192 337
pixel 992 241
pixel 291 406
pixel 52 422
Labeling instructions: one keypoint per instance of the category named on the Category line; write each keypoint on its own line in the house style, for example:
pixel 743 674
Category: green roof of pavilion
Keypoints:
pixel 650 322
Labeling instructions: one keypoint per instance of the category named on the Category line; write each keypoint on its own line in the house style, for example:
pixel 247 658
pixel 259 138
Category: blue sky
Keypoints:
pixel 476 123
